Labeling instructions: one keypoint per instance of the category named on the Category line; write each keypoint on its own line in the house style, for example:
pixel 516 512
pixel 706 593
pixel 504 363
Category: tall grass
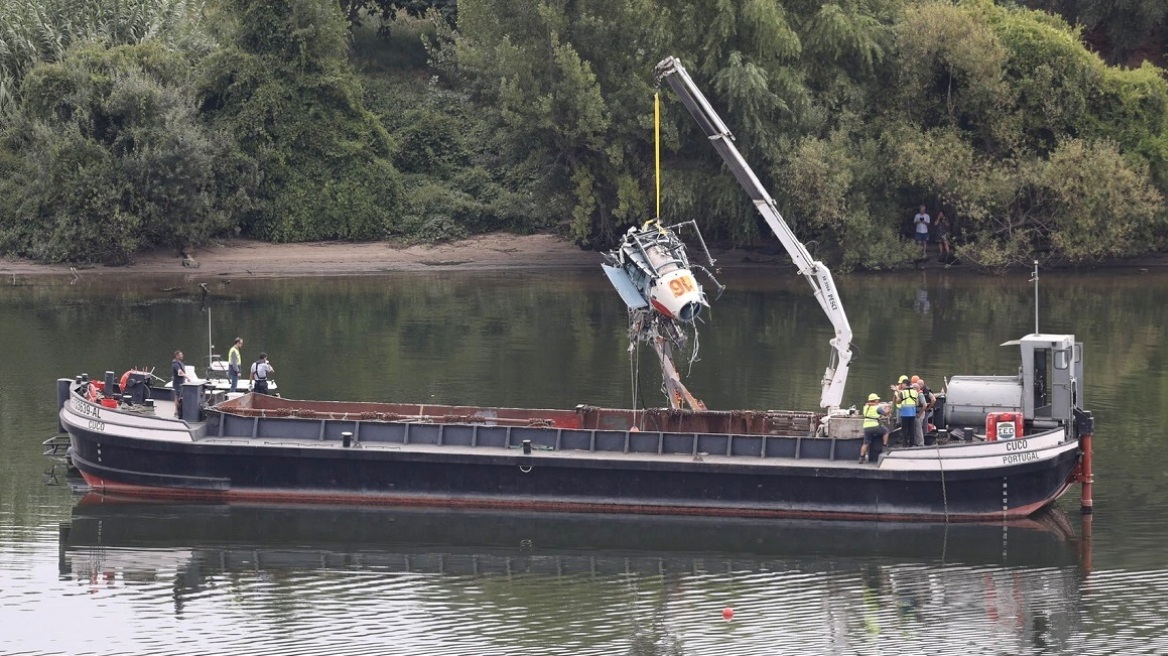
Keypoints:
pixel 34 31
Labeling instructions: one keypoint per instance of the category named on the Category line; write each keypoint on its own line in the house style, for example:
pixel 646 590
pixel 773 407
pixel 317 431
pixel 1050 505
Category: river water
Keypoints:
pixel 83 576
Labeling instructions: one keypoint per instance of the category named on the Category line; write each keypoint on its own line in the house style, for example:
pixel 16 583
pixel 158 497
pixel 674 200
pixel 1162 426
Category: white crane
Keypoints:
pixel 835 377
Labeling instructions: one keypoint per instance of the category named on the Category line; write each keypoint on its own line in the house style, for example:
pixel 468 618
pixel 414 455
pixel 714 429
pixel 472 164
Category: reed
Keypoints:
pixel 35 31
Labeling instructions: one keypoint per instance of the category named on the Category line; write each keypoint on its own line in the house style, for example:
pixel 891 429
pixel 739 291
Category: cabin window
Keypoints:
pixel 1043 361
pixel 1062 358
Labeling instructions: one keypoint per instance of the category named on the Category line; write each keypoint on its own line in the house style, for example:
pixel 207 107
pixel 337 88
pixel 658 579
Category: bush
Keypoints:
pixel 998 254
pixel 430 142
pixel 108 156
pixel 1100 204
pixel 285 91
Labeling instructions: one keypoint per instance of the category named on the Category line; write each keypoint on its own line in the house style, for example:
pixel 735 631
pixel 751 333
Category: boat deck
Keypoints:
pixel 585 460
pixel 526 435
pixel 447 451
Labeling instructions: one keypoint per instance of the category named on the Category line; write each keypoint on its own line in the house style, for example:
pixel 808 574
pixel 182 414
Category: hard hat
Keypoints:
pixel 902 379
pixel 916 379
pixel 873 397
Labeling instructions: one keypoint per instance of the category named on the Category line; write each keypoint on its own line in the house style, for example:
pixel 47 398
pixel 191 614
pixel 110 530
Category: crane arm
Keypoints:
pixel 819 276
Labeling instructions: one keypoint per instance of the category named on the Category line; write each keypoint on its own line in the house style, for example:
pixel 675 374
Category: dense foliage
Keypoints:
pixel 284 91
pixel 103 150
pixel 35 31
pixel 852 113
pixel 1123 31
pixel 367 119
pixel 358 12
pixel 113 159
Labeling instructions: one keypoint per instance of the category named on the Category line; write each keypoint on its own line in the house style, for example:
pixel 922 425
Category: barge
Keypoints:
pixel 661 461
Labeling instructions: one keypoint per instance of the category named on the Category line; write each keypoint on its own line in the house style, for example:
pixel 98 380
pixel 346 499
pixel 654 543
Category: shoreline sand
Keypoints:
pixel 244 257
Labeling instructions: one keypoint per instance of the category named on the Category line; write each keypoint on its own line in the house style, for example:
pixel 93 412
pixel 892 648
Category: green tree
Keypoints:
pixel 1096 203
pixel 107 156
pixel 284 89
pixel 575 113
pixel 387 10
pixel 1123 31
pixel 35 31
pixel 991 101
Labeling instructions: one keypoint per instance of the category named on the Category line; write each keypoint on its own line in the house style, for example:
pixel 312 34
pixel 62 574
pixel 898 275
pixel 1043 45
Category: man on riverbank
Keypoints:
pixel 921 227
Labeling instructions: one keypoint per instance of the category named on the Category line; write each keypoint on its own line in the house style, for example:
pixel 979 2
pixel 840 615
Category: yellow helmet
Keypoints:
pixel 873 397
pixel 902 379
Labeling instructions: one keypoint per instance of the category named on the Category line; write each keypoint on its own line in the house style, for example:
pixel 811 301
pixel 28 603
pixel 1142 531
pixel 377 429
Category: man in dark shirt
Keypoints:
pixel 260 370
pixel 178 371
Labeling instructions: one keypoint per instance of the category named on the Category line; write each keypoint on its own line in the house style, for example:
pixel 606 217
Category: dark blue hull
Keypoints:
pixel 554 481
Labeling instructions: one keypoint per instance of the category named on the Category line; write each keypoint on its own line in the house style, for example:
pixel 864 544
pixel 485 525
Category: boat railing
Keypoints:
pixel 56 446
pixel 513 434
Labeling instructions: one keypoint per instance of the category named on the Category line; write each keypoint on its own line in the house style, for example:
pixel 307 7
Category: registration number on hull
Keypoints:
pixel 81 407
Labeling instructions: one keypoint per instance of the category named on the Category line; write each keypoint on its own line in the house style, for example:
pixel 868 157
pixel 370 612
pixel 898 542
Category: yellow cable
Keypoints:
pixel 657 146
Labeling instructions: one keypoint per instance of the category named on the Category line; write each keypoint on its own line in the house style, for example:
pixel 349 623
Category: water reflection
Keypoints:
pixel 497 582
pixel 555 339
pixel 921 303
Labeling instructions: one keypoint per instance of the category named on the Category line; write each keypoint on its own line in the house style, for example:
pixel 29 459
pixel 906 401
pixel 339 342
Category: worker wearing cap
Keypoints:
pixel 906 407
pixel 873 411
pixel 902 383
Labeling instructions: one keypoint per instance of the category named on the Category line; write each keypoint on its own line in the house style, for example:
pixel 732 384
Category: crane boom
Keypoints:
pixel 819 276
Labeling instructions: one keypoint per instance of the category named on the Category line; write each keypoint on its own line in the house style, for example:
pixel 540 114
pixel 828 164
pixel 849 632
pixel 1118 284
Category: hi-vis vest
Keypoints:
pixel 904 398
pixel 871 415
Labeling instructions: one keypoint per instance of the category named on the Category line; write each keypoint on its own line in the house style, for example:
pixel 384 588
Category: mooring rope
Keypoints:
pixel 944 491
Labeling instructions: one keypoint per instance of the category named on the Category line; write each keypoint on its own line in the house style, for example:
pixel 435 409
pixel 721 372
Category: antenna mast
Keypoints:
pixel 1034 279
pixel 210 346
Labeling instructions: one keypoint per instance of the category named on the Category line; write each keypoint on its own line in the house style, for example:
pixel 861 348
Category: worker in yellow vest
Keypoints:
pixel 234 363
pixel 873 429
pixel 906 407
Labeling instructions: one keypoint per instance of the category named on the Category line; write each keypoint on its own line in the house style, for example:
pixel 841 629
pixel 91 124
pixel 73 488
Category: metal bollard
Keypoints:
pixel 63 387
pixel 525 461
pixel 192 401
pixel 346 439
